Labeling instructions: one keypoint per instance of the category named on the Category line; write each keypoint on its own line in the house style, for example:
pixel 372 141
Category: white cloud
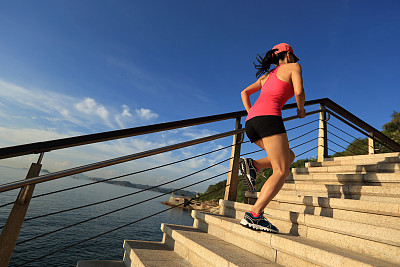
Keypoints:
pixel 9 137
pixel 34 115
pixel 102 112
pixel 87 106
pixel 90 107
pixel 125 112
pixel 72 157
pixel 146 114
pixel 195 133
pixel 52 108
pixel 123 116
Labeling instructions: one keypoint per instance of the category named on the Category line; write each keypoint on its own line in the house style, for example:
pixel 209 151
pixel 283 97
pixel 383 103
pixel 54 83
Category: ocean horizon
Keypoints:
pixel 105 247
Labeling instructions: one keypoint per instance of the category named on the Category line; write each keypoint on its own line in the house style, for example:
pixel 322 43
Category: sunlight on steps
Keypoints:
pixel 340 212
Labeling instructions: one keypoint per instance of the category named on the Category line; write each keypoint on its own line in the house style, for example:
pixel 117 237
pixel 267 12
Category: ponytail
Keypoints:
pixel 265 63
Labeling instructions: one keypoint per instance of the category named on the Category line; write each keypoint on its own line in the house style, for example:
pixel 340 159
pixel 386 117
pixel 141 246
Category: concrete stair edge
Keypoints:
pixel 100 263
pixel 377 167
pixel 340 214
pixel 373 156
pixel 259 246
pixel 383 193
pixel 306 249
pixel 358 160
pixel 209 250
pixel 375 207
pixel 151 253
pixel 388 236
pixel 392 190
pixel 347 178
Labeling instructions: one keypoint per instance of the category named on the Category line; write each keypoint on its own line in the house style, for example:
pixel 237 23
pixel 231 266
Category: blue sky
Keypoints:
pixel 77 67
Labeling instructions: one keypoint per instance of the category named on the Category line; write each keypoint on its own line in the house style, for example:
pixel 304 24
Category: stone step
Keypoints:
pixel 202 249
pixel 100 263
pixel 366 193
pixel 247 240
pixel 341 196
pixel 373 207
pixel 358 157
pixel 379 167
pixel 320 207
pixel 357 160
pixel 151 254
pixel 345 215
pixel 376 233
pixel 290 250
pixel 392 190
pixel 328 231
pixel 356 179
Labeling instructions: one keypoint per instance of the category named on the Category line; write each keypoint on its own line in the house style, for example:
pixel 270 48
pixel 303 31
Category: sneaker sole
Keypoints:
pixel 256 227
pixel 244 169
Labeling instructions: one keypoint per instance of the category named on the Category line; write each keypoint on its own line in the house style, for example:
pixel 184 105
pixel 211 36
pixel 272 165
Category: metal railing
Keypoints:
pixel 11 229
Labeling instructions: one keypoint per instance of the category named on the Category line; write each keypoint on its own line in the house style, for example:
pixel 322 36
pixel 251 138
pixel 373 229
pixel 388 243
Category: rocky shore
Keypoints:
pixel 205 206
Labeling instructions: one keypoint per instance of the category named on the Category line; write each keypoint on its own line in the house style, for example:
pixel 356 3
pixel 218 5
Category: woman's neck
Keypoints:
pixel 283 62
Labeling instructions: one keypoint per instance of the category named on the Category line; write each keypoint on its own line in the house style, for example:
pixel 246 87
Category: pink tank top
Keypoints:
pixel 273 96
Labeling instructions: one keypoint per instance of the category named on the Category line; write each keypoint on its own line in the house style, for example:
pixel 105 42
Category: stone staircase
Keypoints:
pixel 340 212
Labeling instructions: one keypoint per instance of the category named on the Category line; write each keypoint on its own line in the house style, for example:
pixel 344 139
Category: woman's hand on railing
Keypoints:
pixel 301 113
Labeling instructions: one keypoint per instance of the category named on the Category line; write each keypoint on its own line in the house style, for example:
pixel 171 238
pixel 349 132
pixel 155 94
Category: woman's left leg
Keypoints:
pixel 265 163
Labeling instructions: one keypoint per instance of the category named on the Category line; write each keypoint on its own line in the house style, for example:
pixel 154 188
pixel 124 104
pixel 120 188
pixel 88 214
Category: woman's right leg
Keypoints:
pixel 279 157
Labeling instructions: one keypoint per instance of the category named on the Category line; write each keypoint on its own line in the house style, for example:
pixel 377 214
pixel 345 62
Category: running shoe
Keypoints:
pixel 259 223
pixel 249 173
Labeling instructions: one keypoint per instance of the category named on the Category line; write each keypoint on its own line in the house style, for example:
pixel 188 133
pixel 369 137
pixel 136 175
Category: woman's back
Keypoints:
pixel 276 89
pixel 284 73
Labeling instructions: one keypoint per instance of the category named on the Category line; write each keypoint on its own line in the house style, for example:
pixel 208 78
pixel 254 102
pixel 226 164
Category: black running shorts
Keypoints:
pixel 263 126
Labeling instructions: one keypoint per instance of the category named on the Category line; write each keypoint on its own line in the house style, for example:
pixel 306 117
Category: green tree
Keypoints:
pixel 392 130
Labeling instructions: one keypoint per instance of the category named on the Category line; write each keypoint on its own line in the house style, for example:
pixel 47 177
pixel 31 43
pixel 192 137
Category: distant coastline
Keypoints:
pixel 120 183
pixel 141 186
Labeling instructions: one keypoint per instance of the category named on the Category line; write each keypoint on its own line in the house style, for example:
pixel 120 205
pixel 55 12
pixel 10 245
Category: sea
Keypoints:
pixel 104 247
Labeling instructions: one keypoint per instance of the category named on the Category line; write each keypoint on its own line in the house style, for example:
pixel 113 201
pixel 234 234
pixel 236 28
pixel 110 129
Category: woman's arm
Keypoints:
pixel 297 81
pixel 251 89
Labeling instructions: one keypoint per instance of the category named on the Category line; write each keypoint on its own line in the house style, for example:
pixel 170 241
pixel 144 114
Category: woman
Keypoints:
pixel 264 127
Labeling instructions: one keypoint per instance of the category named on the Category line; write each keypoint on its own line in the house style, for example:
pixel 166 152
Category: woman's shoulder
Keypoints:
pixel 292 66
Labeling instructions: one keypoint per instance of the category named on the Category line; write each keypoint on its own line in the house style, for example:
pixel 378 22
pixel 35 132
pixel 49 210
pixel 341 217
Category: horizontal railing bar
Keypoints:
pixel 307 114
pixel 361 131
pixel 129 194
pixel 348 123
pixel 350 144
pixel 125 175
pixel 304 143
pixel 130 223
pixel 307 103
pixel 345 149
pixel 305 134
pixel 363 125
pixel 306 151
pixel 331 125
pixel 302 125
pixel 46 146
pixel 116 210
pixel 110 162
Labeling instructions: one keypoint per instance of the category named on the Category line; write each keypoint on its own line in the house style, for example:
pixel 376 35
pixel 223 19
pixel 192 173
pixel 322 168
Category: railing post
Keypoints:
pixel 13 226
pixel 371 144
pixel 322 136
pixel 232 180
